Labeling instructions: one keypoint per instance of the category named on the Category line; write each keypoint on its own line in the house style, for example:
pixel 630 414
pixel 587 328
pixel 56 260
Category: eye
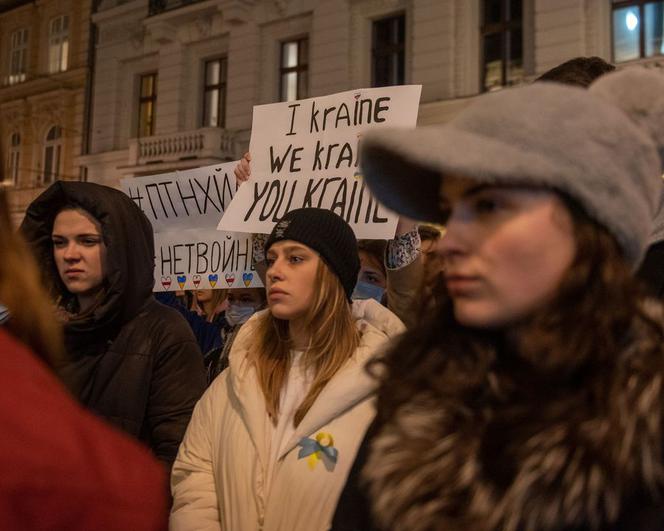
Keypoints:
pixel 269 261
pixel 58 242
pixel 90 241
pixel 294 259
pixel 487 205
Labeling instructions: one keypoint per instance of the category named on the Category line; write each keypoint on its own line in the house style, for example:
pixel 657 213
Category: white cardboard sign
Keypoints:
pixel 305 154
pixel 184 208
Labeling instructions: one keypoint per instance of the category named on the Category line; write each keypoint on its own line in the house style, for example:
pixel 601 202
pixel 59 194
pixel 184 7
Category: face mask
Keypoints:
pixel 4 314
pixel 364 290
pixel 238 314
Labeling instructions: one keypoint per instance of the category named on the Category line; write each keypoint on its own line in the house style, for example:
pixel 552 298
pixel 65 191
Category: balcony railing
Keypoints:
pixel 209 142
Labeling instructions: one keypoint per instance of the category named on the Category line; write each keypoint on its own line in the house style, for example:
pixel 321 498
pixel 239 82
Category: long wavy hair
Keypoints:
pixel 333 338
pixel 32 315
pixel 584 328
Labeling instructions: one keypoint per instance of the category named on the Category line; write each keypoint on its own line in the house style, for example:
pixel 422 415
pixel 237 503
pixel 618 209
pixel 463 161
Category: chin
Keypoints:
pixel 474 318
pixel 285 314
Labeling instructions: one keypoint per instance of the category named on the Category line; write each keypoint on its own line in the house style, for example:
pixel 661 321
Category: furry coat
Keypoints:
pixel 526 454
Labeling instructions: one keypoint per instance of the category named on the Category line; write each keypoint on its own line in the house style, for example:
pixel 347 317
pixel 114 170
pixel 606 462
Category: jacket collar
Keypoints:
pixel 348 387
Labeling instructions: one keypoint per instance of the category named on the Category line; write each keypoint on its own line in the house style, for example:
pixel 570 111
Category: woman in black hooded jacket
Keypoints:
pixel 130 359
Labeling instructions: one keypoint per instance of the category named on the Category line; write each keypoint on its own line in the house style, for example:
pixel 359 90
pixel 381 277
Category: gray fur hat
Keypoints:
pixel 603 147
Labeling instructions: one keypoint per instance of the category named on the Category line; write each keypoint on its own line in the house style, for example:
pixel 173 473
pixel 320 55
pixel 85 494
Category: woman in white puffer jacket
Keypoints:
pixel 272 441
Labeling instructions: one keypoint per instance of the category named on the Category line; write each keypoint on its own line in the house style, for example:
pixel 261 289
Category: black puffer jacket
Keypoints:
pixel 133 361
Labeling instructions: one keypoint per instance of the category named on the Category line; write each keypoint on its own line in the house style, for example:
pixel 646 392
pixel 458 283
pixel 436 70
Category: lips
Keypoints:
pixel 276 293
pixel 461 284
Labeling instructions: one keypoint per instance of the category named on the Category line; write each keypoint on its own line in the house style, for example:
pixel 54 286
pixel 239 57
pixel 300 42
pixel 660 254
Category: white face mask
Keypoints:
pixel 4 314
pixel 238 313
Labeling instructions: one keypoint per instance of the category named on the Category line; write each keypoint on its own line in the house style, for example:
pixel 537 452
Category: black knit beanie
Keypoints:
pixel 327 234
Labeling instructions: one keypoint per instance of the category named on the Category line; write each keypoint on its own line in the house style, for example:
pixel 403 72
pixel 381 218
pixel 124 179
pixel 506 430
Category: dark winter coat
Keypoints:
pixel 133 361
pixel 580 458
pixel 208 334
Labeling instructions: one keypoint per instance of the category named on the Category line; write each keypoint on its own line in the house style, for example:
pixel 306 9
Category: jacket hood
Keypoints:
pixel 569 458
pixel 129 240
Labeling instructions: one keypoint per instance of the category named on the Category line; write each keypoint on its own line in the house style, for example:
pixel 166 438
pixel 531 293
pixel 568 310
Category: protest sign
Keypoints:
pixel 203 259
pixel 184 208
pixel 184 199
pixel 305 154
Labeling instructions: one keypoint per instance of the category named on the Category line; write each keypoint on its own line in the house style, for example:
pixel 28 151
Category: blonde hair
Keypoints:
pixel 218 296
pixel 32 315
pixel 333 339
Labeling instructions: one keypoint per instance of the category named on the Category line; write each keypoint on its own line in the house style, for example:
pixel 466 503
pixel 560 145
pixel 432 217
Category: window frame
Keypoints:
pixel 151 99
pixel 13 158
pixel 391 50
pixel 300 69
pixel 54 146
pixel 504 28
pixel 221 86
pixel 621 4
pixel 18 56
pixel 58 44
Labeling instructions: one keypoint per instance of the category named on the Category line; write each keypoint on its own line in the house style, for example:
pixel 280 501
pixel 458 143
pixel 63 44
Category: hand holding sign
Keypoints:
pixel 243 169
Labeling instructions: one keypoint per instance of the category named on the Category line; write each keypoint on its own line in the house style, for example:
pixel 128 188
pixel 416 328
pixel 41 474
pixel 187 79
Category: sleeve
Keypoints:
pixel 195 504
pixel 353 512
pixel 404 291
pixel 403 250
pixel 178 381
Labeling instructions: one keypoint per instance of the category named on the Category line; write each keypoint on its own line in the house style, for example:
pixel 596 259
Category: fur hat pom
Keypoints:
pixel 639 92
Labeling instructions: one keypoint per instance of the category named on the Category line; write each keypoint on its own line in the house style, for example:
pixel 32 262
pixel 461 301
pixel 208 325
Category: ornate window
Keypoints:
pixel 388 51
pixel 214 93
pixel 638 29
pixel 58 44
pixel 52 155
pixel 294 70
pixel 502 43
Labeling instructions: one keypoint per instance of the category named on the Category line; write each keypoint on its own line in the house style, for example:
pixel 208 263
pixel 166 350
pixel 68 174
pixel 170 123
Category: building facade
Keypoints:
pixel 44 56
pixel 174 81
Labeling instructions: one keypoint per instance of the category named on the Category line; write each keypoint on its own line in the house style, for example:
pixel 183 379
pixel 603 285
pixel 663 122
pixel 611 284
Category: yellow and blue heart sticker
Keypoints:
pixel 319 449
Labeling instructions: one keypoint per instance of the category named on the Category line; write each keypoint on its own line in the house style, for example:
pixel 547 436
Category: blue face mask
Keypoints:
pixel 238 314
pixel 364 290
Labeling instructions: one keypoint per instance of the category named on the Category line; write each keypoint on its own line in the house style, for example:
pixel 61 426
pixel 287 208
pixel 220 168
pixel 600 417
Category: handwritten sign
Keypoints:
pixel 203 259
pixel 305 154
pixel 184 209
pixel 184 199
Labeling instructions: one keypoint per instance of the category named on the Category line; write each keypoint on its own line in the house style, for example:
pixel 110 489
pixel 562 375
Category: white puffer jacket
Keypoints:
pixel 218 480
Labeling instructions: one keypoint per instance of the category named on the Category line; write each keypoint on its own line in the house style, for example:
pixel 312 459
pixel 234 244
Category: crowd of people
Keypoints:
pixel 496 366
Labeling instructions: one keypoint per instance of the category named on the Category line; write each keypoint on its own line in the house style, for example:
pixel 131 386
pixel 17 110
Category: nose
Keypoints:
pixel 455 240
pixel 71 252
pixel 275 271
